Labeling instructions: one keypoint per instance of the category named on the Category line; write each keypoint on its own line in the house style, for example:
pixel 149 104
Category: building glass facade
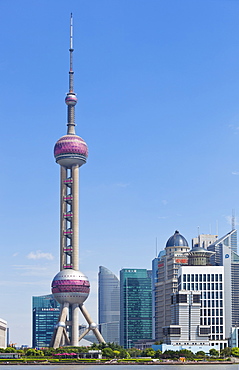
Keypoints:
pixel 109 305
pixel 135 306
pixel 45 313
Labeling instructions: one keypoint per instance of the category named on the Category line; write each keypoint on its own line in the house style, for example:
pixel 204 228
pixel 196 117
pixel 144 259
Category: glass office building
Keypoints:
pixel 45 313
pixel 135 306
pixel 109 305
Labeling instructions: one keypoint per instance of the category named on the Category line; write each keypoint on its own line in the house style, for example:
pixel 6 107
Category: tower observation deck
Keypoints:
pixel 70 287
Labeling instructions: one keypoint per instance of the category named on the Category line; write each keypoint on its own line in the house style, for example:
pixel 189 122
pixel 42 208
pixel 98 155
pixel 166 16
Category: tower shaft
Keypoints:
pixel 69 218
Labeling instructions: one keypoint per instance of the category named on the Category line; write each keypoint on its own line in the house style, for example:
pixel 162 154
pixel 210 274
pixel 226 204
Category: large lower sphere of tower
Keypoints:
pixel 70 286
pixel 71 150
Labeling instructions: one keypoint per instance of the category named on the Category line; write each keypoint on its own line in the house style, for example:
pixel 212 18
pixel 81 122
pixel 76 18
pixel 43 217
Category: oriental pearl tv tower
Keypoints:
pixel 70 287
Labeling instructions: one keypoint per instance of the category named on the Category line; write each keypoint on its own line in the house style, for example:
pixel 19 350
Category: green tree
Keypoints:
pixel 200 354
pixel 226 352
pixel 116 353
pixel 213 352
pixel 31 352
pixel 186 353
pixel 134 352
pixel 148 352
pixel 235 352
pixel 124 353
pixel 108 352
pixel 10 350
pixel 158 354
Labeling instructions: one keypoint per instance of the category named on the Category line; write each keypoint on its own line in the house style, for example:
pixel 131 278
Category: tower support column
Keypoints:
pixel 75 325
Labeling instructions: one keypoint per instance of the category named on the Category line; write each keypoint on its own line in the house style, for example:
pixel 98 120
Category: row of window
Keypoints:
pixel 213 303
pixel 202 277
pixel 202 286
pixel 212 321
pixel 213 312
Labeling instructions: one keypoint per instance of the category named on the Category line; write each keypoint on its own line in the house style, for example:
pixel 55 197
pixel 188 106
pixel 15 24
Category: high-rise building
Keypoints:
pixel 198 307
pixel 108 305
pixel 70 287
pixel 45 313
pixel 165 280
pixel 135 306
pixel 204 240
pixel 3 331
pixel 225 255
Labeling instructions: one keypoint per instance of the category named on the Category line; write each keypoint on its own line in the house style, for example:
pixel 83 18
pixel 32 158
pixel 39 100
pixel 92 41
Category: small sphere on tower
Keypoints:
pixel 70 150
pixel 70 286
pixel 71 99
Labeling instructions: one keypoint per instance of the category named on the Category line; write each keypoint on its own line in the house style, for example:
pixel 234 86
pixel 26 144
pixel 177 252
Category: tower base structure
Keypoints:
pixel 60 336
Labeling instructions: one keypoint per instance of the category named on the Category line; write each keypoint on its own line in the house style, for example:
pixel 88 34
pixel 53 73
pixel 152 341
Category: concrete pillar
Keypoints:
pixel 75 325
pixel 61 325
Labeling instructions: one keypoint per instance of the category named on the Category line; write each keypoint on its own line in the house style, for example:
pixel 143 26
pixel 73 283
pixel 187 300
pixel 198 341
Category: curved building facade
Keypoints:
pixel 109 304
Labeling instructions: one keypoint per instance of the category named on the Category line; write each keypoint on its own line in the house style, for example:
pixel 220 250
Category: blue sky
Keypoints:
pixel 158 90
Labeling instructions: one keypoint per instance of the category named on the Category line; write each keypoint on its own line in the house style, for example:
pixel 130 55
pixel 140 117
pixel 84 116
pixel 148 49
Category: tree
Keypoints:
pixel 235 352
pixel 134 352
pixel 213 352
pixel 226 352
pixel 148 352
pixel 158 353
pixel 108 352
pixel 10 350
pixel 200 354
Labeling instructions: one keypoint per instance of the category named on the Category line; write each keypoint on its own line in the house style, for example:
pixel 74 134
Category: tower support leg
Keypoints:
pixel 57 336
pixel 75 325
pixel 92 325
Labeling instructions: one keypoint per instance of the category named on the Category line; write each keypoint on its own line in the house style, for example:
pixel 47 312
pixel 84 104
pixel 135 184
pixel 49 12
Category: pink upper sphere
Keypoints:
pixel 71 144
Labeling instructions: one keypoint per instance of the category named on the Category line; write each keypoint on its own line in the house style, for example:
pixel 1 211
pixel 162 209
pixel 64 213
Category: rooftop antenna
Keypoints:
pixel 233 219
pixel 156 247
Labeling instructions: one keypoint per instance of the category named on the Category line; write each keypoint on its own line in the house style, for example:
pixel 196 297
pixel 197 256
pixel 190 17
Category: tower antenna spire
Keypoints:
pixel 71 98
pixel 233 219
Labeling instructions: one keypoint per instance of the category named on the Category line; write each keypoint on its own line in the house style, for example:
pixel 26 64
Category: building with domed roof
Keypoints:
pixel 165 280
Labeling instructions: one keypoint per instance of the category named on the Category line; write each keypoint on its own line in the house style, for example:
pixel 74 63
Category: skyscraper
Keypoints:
pixel 225 255
pixel 108 304
pixel 135 306
pixel 70 287
pixel 165 280
pixel 45 313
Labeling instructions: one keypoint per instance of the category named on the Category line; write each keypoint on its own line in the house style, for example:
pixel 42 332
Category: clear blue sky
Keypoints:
pixel 158 104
